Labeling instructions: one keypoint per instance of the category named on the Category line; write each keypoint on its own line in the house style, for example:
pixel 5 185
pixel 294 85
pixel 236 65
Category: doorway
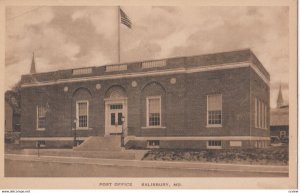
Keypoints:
pixel 115 109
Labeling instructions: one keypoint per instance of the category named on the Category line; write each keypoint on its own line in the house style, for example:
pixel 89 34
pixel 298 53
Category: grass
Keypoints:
pixel 267 156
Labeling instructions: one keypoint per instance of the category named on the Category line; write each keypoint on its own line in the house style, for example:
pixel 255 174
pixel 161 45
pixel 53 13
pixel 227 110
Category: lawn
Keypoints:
pixel 267 156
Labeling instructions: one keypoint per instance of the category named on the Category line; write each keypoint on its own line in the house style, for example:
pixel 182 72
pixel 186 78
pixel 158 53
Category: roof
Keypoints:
pixel 279 116
pixel 206 60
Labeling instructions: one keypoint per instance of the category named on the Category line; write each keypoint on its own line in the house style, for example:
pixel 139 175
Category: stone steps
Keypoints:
pixel 107 147
pixel 96 143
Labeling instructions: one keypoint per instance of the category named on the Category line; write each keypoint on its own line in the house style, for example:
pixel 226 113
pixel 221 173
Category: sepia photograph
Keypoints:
pixel 149 91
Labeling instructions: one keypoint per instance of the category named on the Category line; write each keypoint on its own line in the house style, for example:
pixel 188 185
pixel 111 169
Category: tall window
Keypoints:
pixel 41 117
pixel 265 111
pixel 260 114
pixel 214 110
pixel 82 114
pixel 154 111
pixel 256 113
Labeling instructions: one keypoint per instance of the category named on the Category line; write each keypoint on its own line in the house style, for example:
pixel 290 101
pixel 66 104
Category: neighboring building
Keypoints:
pixel 213 101
pixel 279 125
pixel 12 117
pixel 12 112
pixel 8 117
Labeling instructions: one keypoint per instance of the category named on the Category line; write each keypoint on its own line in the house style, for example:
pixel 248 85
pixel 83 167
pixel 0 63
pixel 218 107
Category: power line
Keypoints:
pixel 11 18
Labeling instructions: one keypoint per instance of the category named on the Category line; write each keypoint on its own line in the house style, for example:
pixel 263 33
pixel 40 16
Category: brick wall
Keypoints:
pixel 184 104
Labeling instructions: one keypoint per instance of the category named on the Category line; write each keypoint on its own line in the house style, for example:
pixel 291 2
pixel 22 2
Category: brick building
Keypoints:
pixel 279 119
pixel 216 100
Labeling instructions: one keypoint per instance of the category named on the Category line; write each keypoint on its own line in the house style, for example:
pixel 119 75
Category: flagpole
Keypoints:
pixel 119 46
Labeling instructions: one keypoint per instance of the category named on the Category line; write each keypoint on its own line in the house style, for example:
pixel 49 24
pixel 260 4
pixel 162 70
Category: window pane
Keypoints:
pixel 42 122
pixel 154 112
pixel 83 121
pixel 154 105
pixel 214 102
pixel 116 106
pixel 154 119
pixel 82 108
pixel 119 118
pixel 41 109
pixel 112 119
pixel 214 117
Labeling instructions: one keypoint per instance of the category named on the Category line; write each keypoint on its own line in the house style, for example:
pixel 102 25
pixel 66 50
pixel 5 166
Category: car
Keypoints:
pixel 284 140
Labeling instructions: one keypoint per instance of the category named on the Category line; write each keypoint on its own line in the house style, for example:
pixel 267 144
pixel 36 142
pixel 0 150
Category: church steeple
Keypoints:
pixel 32 68
pixel 280 101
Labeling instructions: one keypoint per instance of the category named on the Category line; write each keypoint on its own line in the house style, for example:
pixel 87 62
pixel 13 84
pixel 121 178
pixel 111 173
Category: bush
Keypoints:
pixel 274 156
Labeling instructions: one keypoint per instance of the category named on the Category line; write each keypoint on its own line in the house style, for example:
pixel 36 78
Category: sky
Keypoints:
pixel 73 37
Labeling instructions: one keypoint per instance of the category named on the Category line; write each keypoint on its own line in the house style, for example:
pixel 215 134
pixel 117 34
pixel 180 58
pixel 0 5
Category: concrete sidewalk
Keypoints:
pixel 152 164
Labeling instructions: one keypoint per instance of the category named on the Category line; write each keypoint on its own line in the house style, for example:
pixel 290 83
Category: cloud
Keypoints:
pixel 105 19
pixel 67 37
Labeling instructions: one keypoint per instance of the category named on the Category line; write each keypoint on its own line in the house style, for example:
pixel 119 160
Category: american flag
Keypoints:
pixel 125 19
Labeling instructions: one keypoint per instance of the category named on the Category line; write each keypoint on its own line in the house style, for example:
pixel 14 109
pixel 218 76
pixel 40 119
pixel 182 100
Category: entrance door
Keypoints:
pixel 115 118
pixel 115 108
pixel 114 111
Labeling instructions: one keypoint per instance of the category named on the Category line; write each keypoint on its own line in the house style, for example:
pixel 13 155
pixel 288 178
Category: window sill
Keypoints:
pixel 153 147
pixel 154 127
pixel 214 147
pixel 82 129
pixel 214 126
pixel 41 129
pixel 261 128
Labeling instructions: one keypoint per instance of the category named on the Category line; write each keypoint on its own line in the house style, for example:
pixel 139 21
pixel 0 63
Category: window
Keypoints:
pixel 82 114
pixel 256 113
pixel 116 106
pixel 282 134
pixel 41 144
pixel 153 144
pixel 260 112
pixel 214 110
pixel 214 144
pixel 262 115
pixel 113 119
pixel 41 117
pixel 266 118
pixel 154 111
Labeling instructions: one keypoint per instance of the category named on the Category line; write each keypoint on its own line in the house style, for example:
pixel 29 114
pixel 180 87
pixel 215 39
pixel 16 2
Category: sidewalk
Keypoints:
pixel 152 164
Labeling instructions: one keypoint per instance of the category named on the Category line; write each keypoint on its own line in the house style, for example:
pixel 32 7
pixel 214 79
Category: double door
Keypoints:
pixel 114 114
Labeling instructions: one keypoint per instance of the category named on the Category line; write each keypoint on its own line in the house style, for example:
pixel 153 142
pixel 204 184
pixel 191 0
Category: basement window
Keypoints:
pixel 41 143
pixel 214 145
pixel 153 144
